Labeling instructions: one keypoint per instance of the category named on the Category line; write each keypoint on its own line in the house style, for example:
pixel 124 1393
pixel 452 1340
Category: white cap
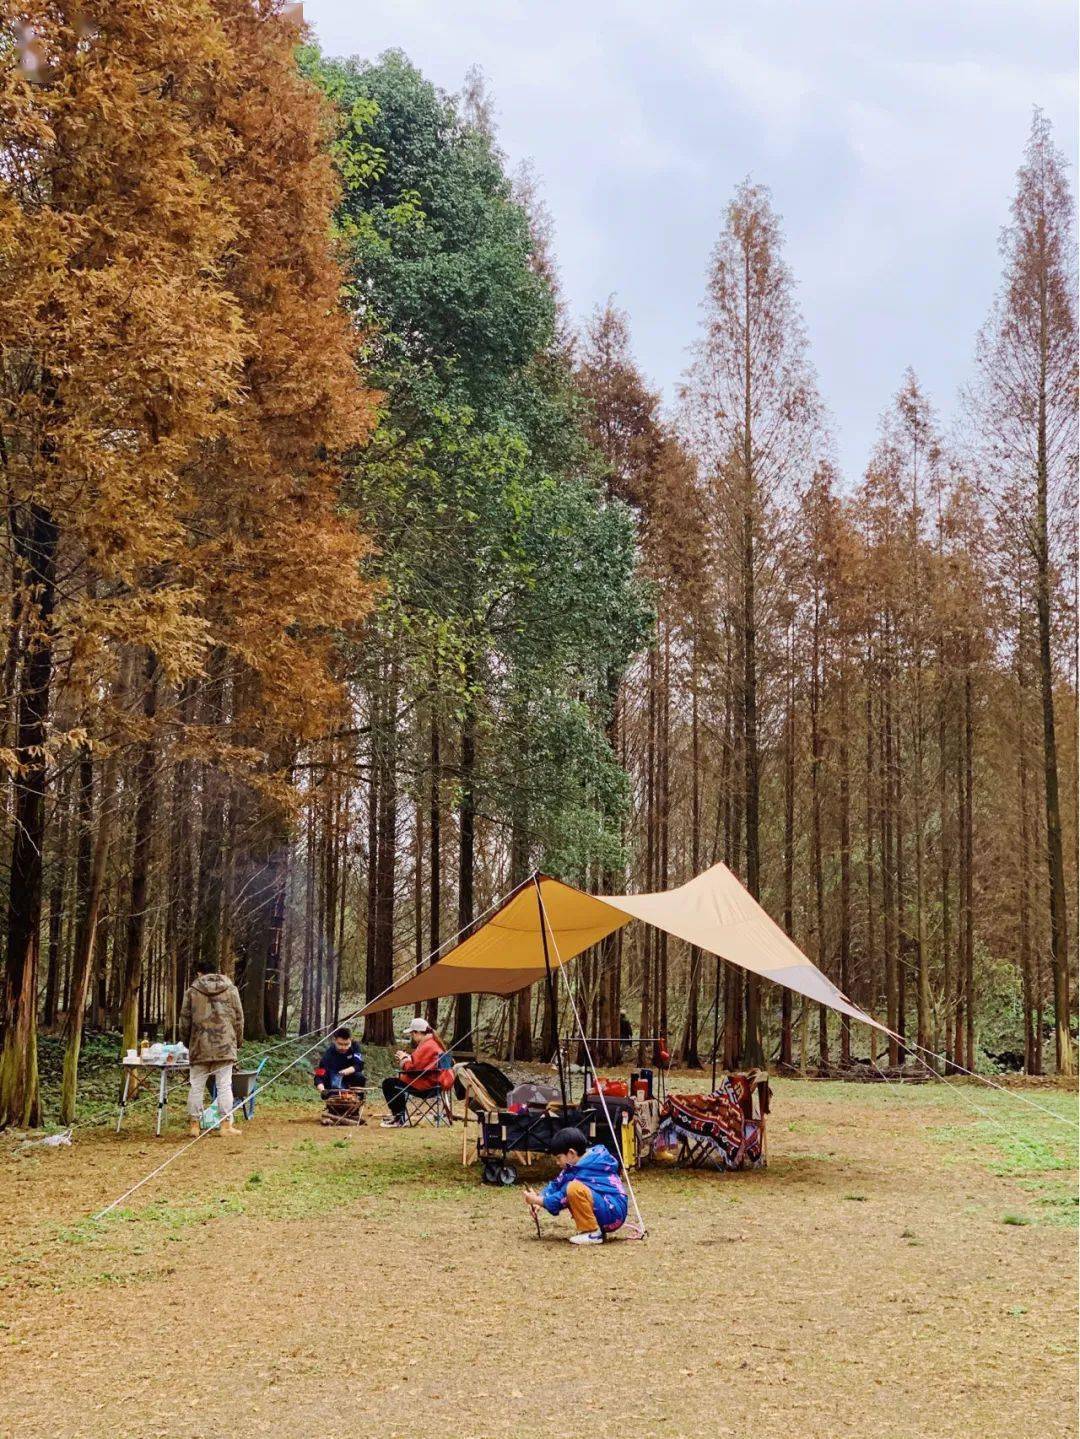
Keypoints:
pixel 417 1026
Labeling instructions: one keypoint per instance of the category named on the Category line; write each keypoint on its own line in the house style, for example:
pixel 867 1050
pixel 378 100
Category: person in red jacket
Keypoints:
pixel 419 1073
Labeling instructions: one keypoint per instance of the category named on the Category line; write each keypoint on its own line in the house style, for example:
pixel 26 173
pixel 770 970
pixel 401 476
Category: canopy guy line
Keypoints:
pixel 1013 1134
pixel 910 1046
pixel 1001 1088
pixel 208 1130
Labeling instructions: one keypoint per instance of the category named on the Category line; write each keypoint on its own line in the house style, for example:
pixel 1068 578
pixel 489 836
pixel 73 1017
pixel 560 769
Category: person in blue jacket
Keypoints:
pixel 342 1066
pixel 588 1184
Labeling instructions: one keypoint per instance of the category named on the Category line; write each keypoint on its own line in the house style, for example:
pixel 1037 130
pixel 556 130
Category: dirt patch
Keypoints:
pixel 904 1266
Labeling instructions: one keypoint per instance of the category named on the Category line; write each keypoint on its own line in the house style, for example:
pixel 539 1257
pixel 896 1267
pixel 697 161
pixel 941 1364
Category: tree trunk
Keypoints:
pixel 463 1021
pixel 816 757
pixel 1059 921
pixel 146 795
pixel 963 917
pixel 87 930
pixel 922 959
pixel 57 892
pixel 845 862
pixel 870 972
pixel 945 848
pixel 273 993
pixel 1024 897
pixel 664 818
pixel 648 981
pixel 210 905
pixel 431 1013
pixel 307 982
pixel 789 837
pixel 612 882
pixel 969 867
pixel 689 1046
pixel 374 801
pixel 903 939
pixel 19 1100
pixel 418 893
pixel 888 873
pixel 752 1051
pixel 382 1025
pixel 520 1039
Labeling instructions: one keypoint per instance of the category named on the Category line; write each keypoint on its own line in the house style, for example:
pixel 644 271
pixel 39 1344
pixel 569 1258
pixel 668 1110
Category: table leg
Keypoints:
pixel 123 1100
pixel 163 1095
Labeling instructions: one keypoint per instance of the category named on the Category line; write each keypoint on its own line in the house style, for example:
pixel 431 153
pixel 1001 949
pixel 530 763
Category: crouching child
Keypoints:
pixel 588 1184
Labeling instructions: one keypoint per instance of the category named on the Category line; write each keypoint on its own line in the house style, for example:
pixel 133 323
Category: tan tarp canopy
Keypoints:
pixel 713 911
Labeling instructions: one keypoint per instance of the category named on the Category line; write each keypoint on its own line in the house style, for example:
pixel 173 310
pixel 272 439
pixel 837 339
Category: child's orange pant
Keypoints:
pixel 580 1202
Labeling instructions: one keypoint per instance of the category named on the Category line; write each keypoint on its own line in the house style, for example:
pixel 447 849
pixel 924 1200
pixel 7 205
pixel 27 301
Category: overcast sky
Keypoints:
pixel 889 132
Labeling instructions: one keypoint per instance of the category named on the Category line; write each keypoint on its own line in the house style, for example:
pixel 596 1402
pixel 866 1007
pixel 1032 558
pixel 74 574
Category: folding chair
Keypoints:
pixel 433 1106
pixel 479 1101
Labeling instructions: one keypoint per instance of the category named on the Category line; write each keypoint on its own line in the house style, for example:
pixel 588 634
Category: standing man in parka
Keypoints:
pixel 212 1027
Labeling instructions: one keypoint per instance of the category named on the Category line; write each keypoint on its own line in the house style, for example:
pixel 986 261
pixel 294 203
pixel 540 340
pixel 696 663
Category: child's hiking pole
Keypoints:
pixel 536 1221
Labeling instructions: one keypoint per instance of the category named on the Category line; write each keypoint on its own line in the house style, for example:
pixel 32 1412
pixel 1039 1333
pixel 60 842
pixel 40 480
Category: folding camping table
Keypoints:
pixel 135 1070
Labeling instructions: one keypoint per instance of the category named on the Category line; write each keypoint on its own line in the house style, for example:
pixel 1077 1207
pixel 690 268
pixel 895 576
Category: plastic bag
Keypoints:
pixel 210 1118
pixel 666 1144
pixel 50 1141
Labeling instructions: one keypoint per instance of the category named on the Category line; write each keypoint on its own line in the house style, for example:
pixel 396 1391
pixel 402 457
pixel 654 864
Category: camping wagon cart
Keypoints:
pixel 509 1138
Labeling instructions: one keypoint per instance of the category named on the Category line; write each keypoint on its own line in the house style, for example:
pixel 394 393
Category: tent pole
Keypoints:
pixel 551 991
pixel 715 1022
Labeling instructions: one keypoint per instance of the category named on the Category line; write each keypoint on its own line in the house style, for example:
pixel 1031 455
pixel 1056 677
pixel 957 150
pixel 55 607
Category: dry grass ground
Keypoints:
pixel 903 1268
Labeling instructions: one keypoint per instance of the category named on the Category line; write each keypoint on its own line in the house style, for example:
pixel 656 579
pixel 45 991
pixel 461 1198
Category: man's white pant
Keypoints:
pixel 198 1075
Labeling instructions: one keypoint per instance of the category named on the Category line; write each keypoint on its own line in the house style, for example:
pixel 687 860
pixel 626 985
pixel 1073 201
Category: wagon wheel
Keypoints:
pixel 507 1175
pixel 491 1171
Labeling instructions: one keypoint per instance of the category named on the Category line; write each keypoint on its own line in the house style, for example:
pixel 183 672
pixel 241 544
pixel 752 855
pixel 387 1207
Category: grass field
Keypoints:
pixel 904 1267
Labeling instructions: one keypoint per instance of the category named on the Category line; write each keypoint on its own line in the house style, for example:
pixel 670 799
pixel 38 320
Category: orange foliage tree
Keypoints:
pixel 176 374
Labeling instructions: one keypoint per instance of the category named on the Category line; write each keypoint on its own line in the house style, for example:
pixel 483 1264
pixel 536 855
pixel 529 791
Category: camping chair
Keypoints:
pixel 722 1130
pixel 495 1084
pixel 433 1106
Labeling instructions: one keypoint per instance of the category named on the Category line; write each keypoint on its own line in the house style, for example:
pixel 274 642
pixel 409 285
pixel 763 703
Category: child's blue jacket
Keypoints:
pixel 598 1170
